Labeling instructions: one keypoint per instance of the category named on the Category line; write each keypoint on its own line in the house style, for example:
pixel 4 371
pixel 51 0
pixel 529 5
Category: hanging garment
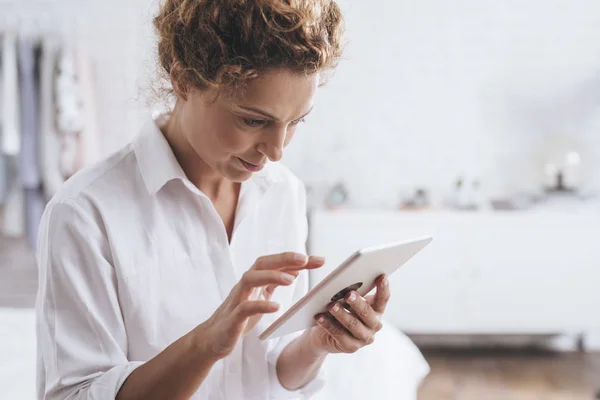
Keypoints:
pixel 29 167
pixel 11 141
pixel 88 137
pixel 69 111
pixel 3 162
pixel 13 222
pixel 50 141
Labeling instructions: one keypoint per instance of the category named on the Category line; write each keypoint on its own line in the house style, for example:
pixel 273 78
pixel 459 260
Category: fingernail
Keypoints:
pixel 335 307
pixel 385 280
pixel 300 257
pixel 352 296
pixel 318 259
pixel 320 319
pixel 288 277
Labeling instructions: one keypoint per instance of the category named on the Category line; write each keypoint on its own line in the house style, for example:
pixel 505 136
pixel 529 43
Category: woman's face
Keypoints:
pixel 236 135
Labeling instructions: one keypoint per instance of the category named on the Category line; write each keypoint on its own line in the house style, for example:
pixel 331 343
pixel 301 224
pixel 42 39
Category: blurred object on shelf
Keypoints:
pixel 337 197
pixel 562 156
pixel 467 195
pixel 563 177
pixel 519 201
pixel 418 201
pixel 558 200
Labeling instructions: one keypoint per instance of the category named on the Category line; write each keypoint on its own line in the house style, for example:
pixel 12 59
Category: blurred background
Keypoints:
pixel 474 121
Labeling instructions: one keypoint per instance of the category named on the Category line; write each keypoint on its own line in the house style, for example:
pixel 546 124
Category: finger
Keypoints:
pixel 289 261
pixel 382 296
pixel 253 279
pixel 363 310
pixel 352 324
pixel 268 292
pixel 346 342
pixel 270 289
pixel 315 262
pixel 247 309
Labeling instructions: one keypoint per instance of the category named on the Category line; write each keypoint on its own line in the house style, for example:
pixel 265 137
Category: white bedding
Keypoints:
pixel 390 368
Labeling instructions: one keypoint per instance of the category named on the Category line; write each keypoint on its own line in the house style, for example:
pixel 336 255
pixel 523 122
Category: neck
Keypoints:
pixel 204 177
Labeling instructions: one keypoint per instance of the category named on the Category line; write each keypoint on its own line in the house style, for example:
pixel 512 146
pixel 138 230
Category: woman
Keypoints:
pixel 160 266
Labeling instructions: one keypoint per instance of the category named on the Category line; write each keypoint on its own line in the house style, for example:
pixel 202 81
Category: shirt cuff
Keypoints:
pixel 107 385
pixel 277 390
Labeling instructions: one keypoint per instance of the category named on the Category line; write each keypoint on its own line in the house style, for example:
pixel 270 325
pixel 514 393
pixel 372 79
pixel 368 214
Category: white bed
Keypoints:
pixel 391 368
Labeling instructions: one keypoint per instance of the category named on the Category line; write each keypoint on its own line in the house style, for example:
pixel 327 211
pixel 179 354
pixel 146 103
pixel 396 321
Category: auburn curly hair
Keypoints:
pixel 216 43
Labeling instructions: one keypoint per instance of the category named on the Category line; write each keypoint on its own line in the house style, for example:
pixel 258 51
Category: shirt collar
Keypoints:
pixel 155 158
pixel 158 164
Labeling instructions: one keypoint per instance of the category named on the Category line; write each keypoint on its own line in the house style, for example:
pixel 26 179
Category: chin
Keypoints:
pixel 236 175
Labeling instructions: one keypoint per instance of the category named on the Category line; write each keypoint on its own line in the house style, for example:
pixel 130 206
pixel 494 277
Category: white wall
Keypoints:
pixel 430 89
pixel 427 90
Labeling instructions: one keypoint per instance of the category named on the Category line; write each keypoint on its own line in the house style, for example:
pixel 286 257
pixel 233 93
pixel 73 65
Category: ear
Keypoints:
pixel 179 87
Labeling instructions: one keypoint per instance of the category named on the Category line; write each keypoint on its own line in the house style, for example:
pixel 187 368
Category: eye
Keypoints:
pixel 254 123
pixel 296 122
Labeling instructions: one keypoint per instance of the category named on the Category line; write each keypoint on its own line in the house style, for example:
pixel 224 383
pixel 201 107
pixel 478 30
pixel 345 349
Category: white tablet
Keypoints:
pixel 359 272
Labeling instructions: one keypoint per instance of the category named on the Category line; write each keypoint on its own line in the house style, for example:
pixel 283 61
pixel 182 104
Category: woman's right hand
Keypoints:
pixel 250 299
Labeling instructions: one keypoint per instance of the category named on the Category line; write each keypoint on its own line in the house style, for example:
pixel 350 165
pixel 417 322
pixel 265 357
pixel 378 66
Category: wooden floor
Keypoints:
pixel 511 375
pixel 455 375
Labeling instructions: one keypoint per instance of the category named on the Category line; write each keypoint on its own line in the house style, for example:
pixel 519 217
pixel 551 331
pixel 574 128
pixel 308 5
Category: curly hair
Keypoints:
pixel 216 43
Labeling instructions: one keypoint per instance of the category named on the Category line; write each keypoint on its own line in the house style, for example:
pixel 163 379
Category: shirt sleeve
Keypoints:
pixel 278 391
pixel 81 334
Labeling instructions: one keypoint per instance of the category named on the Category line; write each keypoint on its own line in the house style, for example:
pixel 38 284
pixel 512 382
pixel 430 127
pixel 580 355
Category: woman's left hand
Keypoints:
pixel 347 331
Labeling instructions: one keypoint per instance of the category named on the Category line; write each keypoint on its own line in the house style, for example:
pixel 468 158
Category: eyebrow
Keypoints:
pixel 266 114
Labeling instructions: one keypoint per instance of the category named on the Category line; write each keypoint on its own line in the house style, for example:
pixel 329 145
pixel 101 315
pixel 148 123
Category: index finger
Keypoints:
pixel 382 296
pixel 289 261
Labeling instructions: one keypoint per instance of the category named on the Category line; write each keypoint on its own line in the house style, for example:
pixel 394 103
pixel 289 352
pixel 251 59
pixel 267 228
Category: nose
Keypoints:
pixel 272 143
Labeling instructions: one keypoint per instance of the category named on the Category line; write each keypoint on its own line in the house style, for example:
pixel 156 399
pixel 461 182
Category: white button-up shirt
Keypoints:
pixel 132 256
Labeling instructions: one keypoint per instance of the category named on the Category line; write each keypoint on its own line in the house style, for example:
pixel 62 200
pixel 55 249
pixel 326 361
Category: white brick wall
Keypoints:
pixel 427 90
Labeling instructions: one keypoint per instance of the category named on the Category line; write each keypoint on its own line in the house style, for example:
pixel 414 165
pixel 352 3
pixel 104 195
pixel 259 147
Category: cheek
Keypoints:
pixel 232 139
pixel 212 134
pixel 289 137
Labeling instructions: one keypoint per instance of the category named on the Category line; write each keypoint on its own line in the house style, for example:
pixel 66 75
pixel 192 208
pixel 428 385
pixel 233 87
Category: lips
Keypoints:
pixel 251 167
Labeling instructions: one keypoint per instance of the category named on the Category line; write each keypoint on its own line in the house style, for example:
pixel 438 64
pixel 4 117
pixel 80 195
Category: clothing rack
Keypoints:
pixel 49 133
